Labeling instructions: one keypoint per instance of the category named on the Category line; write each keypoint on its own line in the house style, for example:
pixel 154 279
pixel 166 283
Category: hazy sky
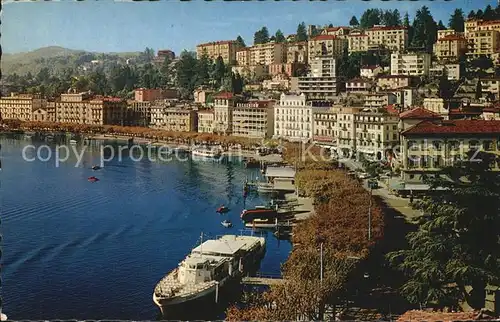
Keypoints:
pixel 108 26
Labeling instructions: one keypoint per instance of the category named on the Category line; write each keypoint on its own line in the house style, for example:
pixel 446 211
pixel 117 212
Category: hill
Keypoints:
pixel 56 59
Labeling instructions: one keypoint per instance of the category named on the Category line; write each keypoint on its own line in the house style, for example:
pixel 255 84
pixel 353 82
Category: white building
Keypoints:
pixel 370 71
pixel 321 83
pixel 412 64
pixel 293 118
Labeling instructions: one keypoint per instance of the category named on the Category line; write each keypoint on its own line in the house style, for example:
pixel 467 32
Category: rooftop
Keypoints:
pixel 224 95
pixel 324 37
pixel 222 42
pixel 419 113
pixel 452 37
pixel 280 172
pixel 226 245
pixel 371 67
pixel 456 127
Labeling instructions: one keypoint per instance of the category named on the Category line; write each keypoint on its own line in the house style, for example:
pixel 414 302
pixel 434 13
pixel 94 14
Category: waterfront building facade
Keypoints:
pixel 223 113
pixel 20 106
pixel 253 119
pixel 324 119
pixel 206 121
pixel 430 146
pixel 173 119
pixel 293 118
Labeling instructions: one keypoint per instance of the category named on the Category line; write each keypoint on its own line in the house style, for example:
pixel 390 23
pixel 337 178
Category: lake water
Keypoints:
pixel 79 250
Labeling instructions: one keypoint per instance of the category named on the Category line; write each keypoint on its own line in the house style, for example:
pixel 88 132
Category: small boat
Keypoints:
pixel 265 187
pixel 72 142
pixel 222 209
pixel 226 223
pixel 206 153
pixel 258 213
pixel 93 179
pixel 27 136
pixel 49 138
pixel 96 167
pixel 262 223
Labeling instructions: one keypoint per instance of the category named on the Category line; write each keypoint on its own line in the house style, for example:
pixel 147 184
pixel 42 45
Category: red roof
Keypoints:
pixel 452 37
pixel 224 95
pixel 416 315
pixel 324 37
pixel 391 109
pixel 490 22
pixel 456 127
pixel 419 113
pixel 336 28
pixel 394 76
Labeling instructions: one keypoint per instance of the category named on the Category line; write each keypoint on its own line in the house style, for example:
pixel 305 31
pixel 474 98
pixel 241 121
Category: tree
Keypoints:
pixel 218 72
pixel 424 29
pixel 186 73
pixel 301 32
pixel 261 36
pixel 445 88
pixel 390 18
pixel 479 89
pixel 471 15
pixel 43 76
pixel 457 21
pixel 441 26
pixel 456 244
pixel 479 14
pixel 98 83
pixel 370 18
pixel 203 68
pixel 166 76
pixel 331 25
pixel 240 41
pixel 489 13
pixel 354 21
pixel 406 20
pixel 279 37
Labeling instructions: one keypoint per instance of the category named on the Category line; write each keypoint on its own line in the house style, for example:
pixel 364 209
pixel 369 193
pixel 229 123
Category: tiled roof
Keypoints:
pixel 336 28
pixel 419 113
pixel 416 315
pixel 452 37
pixel 224 95
pixel 462 112
pixel 394 76
pixel 391 109
pixel 491 22
pixel 387 28
pixel 456 127
pixel 324 37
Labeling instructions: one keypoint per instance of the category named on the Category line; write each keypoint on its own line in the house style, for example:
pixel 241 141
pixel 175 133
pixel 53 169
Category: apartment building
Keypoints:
pixel 226 49
pixel 344 130
pixel 370 71
pixel 82 108
pixel 253 119
pixel 391 38
pixel 324 121
pixel 293 118
pixel 205 121
pixel 376 134
pixel 411 64
pixel 430 146
pixel 138 113
pixel 379 100
pixel 436 105
pixel 279 82
pixel 20 106
pixel 201 95
pixel 223 112
pixel 148 94
pixel 251 72
pixel 409 97
pixel 449 32
pixel 474 25
pixel 450 47
pixel 289 69
pixel 173 119
pixel 321 83
pixel 296 52
pixel 45 113
pixel 358 85
pixel 267 54
pixel 490 85
pixel 386 82
pixel 327 46
pixel 483 42
pixel 336 31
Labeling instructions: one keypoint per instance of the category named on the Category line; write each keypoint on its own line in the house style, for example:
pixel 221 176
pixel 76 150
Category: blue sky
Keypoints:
pixel 111 26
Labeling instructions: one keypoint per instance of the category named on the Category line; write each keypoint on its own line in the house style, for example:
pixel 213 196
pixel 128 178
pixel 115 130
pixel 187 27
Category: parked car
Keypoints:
pixel 373 184
pixel 363 175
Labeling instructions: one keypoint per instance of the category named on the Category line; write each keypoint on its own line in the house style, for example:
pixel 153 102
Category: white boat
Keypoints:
pixel 210 267
pixel 265 187
pixel 226 223
pixel 72 142
pixel 206 153
pixel 262 223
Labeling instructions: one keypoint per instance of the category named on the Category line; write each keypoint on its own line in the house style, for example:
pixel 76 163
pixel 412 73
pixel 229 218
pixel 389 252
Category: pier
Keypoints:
pixel 262 280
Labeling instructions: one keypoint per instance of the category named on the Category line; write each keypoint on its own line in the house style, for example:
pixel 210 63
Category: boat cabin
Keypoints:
pixel 282 178
pixel 195 270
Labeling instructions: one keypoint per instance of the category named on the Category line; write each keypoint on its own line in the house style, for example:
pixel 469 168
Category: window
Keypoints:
pixel 487 145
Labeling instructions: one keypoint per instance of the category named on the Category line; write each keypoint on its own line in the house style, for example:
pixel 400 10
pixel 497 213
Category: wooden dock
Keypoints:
pixel 261 281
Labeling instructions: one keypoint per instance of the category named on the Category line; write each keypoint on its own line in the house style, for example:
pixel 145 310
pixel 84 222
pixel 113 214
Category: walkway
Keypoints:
pixel 261 281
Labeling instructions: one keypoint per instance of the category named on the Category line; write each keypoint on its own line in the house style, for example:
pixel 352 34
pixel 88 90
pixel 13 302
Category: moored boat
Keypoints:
pixel 222 209
pixel 93 179
pixel 210 268
pixel 206 153
pixel 227 223
pixel 96 167
pixel 258 213
pixel 262 223
pixel 72 142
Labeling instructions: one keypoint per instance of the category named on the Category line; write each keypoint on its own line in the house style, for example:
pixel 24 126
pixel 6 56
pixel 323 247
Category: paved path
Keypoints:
pixel 302 207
